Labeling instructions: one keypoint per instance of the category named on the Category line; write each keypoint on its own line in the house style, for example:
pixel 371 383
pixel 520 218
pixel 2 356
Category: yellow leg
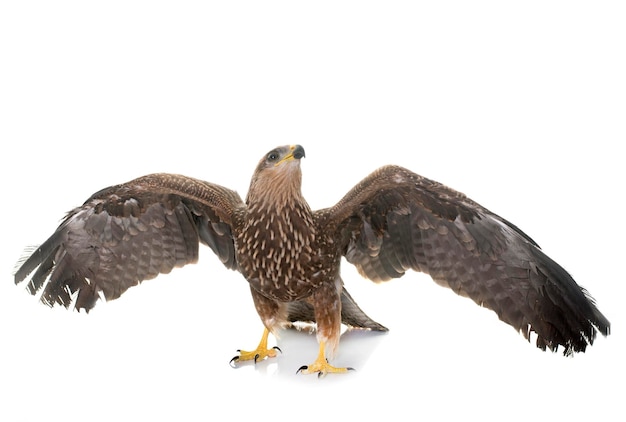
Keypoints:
pixel 321 365
pixel 260 353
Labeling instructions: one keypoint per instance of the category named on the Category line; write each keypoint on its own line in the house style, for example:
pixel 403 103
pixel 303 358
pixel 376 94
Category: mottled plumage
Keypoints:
pixel 392 221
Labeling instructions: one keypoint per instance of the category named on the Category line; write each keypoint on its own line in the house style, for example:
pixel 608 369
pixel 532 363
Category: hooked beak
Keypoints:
pixel 296 152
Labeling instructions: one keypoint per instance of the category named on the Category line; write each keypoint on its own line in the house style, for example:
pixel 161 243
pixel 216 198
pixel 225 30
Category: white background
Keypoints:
pixel 518 104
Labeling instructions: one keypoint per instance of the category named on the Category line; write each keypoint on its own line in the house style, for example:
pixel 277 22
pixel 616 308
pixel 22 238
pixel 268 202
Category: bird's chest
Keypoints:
pixel 279 255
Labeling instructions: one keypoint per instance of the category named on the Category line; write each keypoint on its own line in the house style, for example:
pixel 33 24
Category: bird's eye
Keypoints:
pixel 272 156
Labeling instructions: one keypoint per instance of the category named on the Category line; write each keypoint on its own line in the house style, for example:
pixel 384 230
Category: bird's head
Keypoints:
pixel 277 176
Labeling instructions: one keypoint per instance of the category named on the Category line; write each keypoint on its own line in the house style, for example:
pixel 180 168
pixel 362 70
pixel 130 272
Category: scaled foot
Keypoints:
pixel 321 365
pixel 260 353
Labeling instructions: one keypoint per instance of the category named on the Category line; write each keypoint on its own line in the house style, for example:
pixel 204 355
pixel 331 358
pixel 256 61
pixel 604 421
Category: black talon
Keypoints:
pixel 277 348
pixel 256 357
pixel 302 368
pixel 351 369
pixel 235 359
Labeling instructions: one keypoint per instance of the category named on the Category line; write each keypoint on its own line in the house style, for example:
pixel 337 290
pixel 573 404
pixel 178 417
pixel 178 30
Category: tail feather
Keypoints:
pixel 351 314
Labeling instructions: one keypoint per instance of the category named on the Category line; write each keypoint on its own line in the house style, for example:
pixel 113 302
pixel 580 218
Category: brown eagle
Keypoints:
pixel 392 221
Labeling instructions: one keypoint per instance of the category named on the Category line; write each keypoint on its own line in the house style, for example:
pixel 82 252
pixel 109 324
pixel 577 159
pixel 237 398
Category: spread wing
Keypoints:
pixel 128 233
pixel 395 220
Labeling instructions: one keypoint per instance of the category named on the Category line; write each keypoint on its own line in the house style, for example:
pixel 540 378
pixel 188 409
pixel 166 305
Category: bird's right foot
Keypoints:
pixel 260 353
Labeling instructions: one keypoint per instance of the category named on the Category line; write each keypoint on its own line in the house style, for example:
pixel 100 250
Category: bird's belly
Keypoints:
pixel 283 290
pixel 284 284
pixel 282 264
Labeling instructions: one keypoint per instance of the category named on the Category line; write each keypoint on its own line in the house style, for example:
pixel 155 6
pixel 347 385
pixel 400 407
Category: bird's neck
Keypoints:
pixel 276 192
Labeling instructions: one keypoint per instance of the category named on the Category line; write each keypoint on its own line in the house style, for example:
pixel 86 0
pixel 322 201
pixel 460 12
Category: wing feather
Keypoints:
pixel 395 220
pixel 129 233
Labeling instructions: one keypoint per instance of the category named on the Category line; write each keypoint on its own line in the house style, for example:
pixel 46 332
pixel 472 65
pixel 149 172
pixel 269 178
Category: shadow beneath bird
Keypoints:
pixel 298 344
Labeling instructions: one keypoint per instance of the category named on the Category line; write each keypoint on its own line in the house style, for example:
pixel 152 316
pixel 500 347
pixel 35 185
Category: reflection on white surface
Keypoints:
pixel 300 348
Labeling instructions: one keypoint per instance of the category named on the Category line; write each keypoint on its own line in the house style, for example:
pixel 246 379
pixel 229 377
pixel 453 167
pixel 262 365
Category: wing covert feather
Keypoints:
pixel 394 221
pixel 129 233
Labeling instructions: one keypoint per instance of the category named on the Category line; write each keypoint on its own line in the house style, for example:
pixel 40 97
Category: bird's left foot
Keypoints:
pixel 260 353
pixel 321 366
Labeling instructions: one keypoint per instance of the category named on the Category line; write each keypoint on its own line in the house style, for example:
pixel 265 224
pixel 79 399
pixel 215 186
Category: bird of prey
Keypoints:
pixel 392 221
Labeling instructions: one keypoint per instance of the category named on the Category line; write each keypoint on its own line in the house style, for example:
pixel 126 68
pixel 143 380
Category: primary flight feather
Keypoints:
pixel 392 221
